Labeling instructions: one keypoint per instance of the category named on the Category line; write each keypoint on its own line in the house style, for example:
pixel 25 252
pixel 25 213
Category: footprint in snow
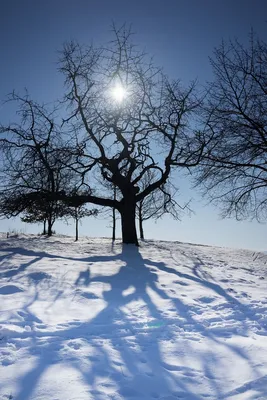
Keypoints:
pixel 88 295
pixel 38 276
pixel 118 363
pixel 181 283
pixel 41 326
pixel 231 290
pixel 143 360
pixel 74 345
pixel 170 367
pixel 206 299
pixel 244 294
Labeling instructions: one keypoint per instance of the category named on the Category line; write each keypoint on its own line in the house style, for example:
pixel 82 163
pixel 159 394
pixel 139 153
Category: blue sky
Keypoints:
pixel 180 34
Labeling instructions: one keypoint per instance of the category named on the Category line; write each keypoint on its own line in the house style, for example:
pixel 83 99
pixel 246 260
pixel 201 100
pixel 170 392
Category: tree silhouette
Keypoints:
pixel 234 168
pixel 127 120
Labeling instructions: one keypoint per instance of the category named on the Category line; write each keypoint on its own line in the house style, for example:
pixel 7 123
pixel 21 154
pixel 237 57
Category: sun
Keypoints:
pixel 118 93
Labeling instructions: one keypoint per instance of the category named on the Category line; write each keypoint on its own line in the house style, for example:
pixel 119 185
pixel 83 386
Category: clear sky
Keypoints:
pixel 180 34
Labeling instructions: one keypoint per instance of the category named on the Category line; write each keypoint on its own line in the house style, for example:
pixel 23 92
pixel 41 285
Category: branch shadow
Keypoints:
pixel 133 358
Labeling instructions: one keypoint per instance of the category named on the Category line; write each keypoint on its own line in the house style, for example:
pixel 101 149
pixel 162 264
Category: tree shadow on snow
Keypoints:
pixel 135 328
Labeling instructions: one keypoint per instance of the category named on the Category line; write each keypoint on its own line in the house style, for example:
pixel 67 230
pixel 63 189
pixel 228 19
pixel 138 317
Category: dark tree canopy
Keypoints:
pixel 234 169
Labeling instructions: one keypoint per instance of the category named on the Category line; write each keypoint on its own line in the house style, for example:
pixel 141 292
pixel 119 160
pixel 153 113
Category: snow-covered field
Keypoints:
pixel 89 320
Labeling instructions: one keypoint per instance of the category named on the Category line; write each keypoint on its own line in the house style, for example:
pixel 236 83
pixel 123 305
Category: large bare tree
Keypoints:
pixel 234 168
pixel 127 120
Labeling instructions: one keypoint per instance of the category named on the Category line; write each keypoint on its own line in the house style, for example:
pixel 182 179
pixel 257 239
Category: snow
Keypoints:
pixel 96 321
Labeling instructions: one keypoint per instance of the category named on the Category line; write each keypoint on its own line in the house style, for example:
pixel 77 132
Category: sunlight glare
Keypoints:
pixel 118 93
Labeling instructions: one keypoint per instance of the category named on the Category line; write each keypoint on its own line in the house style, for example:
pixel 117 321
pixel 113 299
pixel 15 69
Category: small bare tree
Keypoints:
pixel 32 168
pixel 78 213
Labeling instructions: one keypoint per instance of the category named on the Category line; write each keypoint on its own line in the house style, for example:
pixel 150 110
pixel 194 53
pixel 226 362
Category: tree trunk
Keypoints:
pixel 114 216
pixel 77 229
pixel 113 224
pixel 44 230
pixel 50 224
pixel 141 229
pixel 129 235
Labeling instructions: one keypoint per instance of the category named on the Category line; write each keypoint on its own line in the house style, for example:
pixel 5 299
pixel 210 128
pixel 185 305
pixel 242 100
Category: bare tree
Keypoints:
pixel 234 168
pixel 127 119
pixel 78 213
pixel 32 165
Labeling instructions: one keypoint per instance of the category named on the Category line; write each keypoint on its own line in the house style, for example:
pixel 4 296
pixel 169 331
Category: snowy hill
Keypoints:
pixel 92 321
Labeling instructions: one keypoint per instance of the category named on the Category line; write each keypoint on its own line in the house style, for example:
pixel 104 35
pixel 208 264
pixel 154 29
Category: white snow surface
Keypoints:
pixel 96 321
